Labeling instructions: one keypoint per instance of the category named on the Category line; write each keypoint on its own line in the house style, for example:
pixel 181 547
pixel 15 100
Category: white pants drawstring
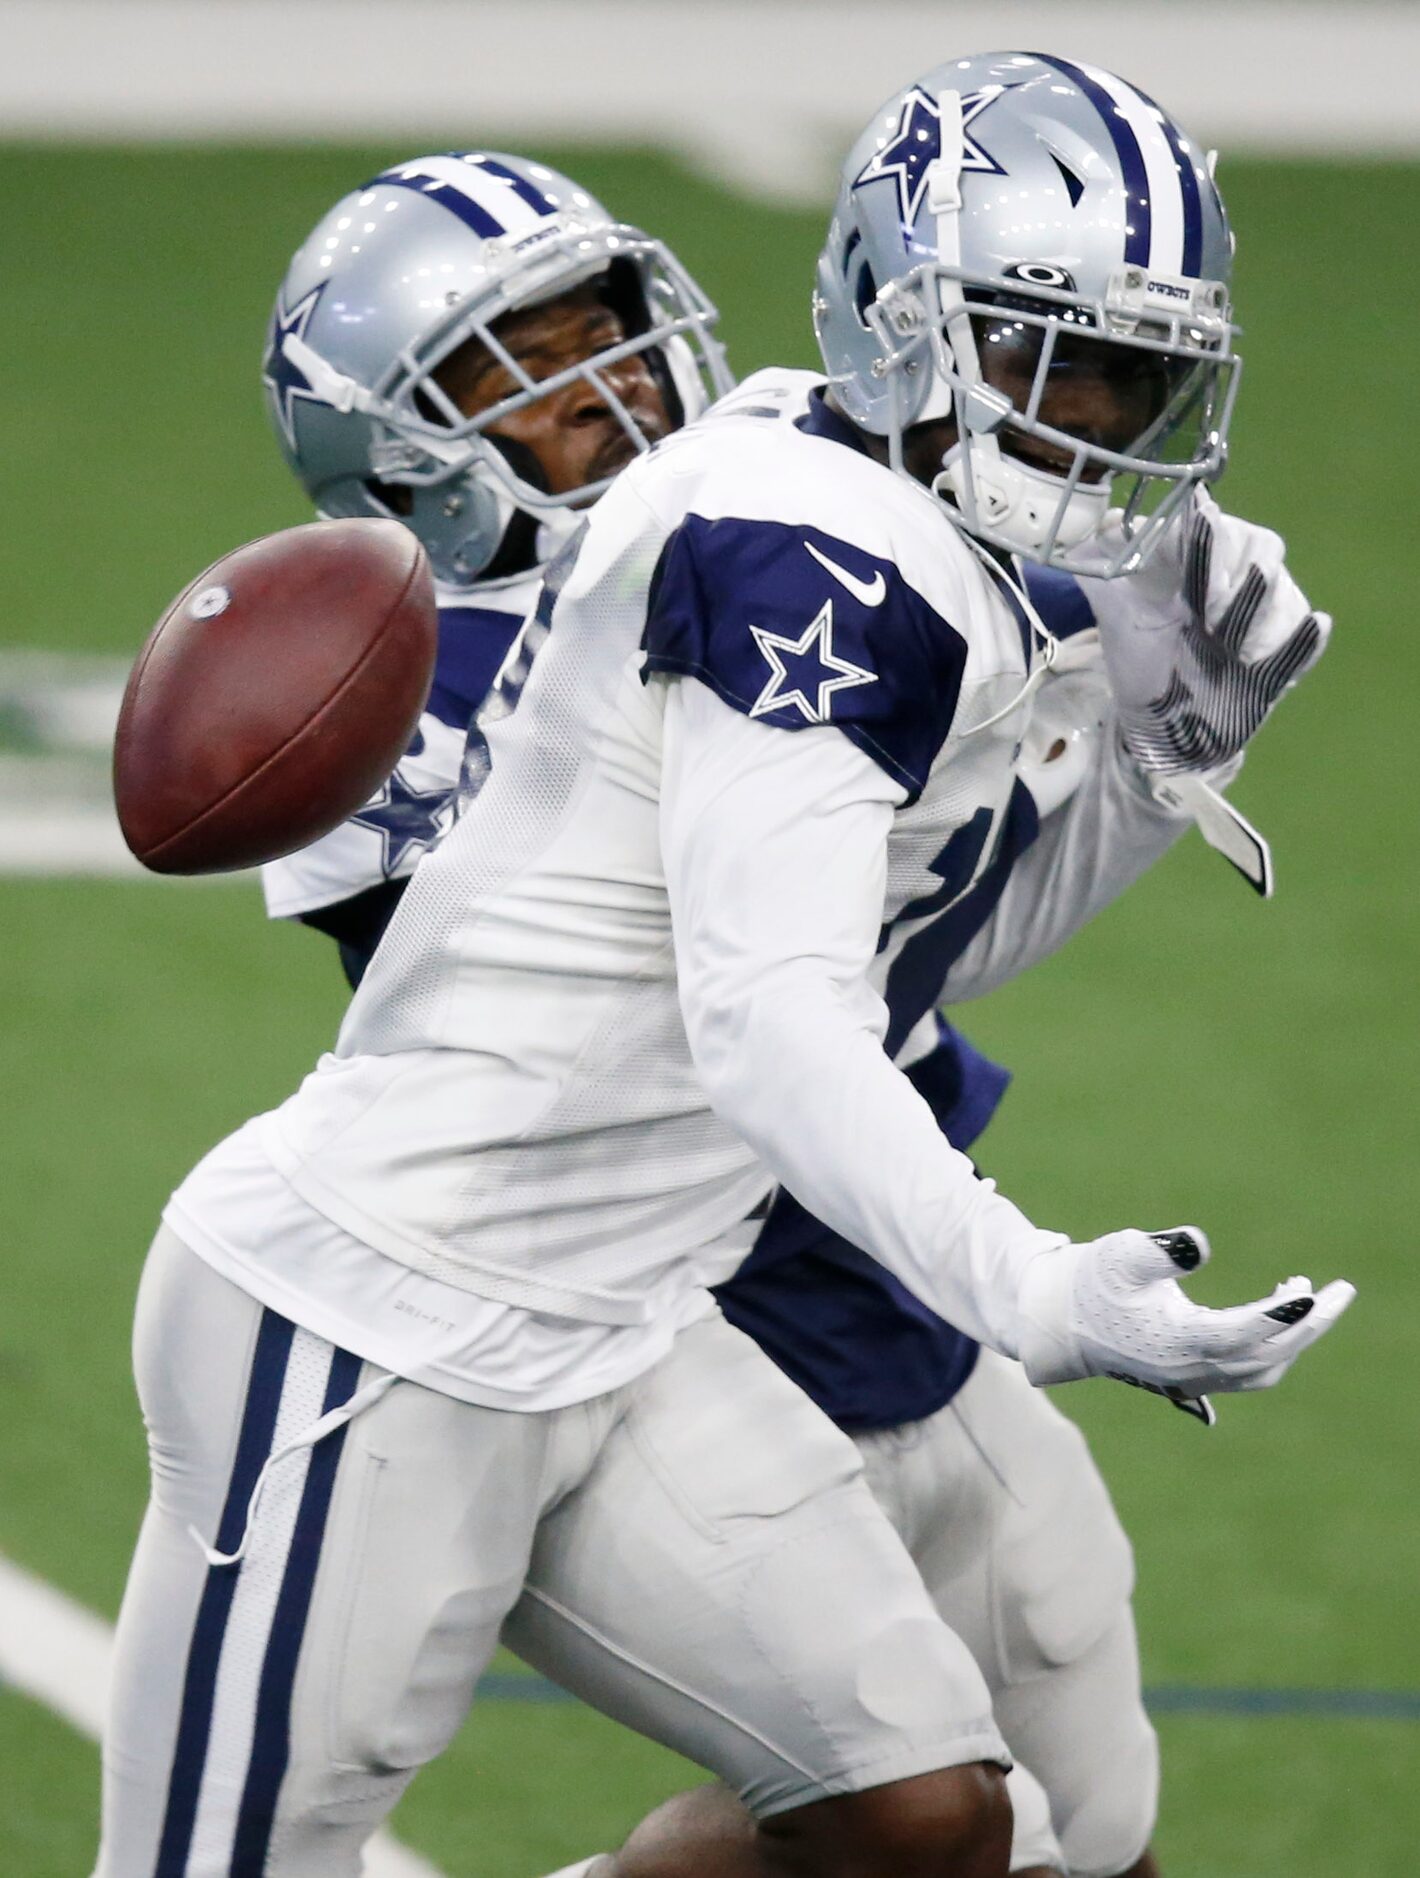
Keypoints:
pixel 326 1425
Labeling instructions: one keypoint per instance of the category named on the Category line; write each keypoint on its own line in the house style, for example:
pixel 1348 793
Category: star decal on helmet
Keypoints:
pixel 284 380
pixel 917 143
pixel 407 819
pixel 806 671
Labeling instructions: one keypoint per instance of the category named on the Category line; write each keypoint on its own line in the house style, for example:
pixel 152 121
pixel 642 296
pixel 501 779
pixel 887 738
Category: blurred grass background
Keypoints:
pixel 1195 1056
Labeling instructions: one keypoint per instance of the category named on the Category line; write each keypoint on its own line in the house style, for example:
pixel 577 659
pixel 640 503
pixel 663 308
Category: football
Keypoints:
pixel 274 696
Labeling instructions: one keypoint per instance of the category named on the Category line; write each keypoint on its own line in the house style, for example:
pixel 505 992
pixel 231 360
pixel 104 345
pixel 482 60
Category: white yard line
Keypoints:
pixel 57 717
pixel 60 1655
pixel 53 1650
pixel 52 829
pixel 64 838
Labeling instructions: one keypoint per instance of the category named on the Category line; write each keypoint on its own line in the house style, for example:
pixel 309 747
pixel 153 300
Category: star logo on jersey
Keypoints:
pixel 806 671
pixel 916 144
pixel 408 820
pixel 284 380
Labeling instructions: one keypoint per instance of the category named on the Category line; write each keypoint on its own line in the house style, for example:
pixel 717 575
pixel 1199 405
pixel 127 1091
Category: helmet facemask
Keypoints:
pixel 1064 408
pixel 425 438
pixel 444 472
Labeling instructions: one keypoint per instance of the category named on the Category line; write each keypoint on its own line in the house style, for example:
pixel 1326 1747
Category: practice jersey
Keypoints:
pixel 907 1362
pixel 762 779
pixel 384 840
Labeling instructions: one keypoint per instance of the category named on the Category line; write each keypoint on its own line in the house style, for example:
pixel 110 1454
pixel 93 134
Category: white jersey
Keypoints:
pixel 407 814
pixel 764 765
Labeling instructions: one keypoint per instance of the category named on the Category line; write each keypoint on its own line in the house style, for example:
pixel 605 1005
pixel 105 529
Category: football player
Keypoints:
pixel 472 345
pixel 432 1338
pixel 349 883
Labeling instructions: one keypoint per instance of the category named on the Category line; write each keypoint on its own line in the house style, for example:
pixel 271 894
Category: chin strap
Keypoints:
pixel 944 200
pixel 979 410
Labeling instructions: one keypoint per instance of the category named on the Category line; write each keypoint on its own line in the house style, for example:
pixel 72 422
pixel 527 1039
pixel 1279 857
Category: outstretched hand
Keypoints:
pixel 1114 1307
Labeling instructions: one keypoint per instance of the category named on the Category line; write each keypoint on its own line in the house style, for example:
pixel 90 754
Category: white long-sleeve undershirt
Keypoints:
pixel 775 850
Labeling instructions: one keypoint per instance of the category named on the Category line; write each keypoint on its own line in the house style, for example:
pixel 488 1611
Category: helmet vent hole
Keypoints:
pixel 1074 185
pixel 864 292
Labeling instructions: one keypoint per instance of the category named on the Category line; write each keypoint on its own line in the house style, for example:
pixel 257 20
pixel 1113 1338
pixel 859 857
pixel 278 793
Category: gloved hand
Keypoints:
pixel 1114 1307
pixel 1204 639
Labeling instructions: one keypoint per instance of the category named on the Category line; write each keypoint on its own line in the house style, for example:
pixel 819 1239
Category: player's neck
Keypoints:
pixel 876 447
pixel 922 449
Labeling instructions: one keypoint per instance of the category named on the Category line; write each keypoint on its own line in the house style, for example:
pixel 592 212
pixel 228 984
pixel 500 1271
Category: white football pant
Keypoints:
pixel 700 1549
pixel 1005 1514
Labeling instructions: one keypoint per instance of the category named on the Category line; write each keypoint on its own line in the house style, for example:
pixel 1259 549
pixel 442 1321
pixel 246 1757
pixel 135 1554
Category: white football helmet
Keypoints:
pixel 1020 244
pixel 403 272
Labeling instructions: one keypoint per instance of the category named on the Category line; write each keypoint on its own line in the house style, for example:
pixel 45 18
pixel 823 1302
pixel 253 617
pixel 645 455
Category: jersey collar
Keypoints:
pixel 821 421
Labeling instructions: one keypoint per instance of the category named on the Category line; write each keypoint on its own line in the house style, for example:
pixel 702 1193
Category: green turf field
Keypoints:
pixel 1197 1055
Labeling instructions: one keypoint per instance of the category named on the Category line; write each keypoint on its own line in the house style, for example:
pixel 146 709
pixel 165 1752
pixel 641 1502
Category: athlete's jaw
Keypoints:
pixel 1091 416
pixel 618 449
pixel 925 448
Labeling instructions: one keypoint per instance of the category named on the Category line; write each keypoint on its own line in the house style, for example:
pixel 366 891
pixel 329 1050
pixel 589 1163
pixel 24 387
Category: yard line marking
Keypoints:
pixel 61 1655
pixel 54 1650
pixel 1359 1704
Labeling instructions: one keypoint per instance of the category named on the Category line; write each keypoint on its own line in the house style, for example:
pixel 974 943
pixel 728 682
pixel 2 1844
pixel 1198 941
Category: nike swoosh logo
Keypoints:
pixel 867 592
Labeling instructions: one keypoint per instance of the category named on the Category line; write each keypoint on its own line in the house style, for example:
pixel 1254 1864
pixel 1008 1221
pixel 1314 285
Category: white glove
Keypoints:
pixel 1204 639
pixel 1114 1307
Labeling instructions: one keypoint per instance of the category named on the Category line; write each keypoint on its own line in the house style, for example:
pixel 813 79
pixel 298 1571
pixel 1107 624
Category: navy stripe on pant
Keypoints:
pixel 271 1734
pixel 268 1374
pixel 271 1744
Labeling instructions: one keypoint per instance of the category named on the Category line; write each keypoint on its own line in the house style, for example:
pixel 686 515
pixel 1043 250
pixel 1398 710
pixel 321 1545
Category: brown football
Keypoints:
pixel 274 696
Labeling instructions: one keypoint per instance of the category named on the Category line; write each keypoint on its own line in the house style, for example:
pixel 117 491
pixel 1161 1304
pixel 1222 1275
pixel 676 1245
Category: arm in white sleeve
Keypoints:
pixel 774 846
pixel 1107 834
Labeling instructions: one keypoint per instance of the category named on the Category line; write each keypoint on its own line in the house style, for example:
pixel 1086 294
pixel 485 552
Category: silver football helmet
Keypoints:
pixel 1032 249
pixel 402 273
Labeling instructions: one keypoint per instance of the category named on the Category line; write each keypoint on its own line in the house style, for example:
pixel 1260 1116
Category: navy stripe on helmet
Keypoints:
pixel 1188 183
pixel 271 1735
pixel 472 214
pixel 264 1385
pixel 1138 222
pixel 520 186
